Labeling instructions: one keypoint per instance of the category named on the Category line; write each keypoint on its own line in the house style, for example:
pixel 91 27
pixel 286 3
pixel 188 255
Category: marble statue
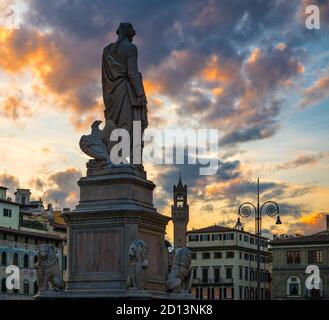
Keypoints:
pixel 138 257
pixel 180 278
pixel 94 146
pixel 48 271
pixel 123 94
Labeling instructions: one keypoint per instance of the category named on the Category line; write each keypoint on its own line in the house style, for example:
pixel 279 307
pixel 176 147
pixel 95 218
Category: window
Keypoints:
pixel 15 259
pixel 26 287
pixel 246 239
pixel 240 255
pixel 229 254
pixel 315 256
pixel 194 273
pixel 246 293
pixel 193 237
pixel 23 200
pixel 4 236
pixel 216 275
pixel 204 237
pixel 240 272
pixel 3 285
pixel 26 261
pixel 204 275
pixel 246 256
pixel 16 237
pixel 252 240
pixel 230 236
pixel 252 274
pixel 293 257
pixel 36 240
pixel 228 273
pixel 246 273
pixel 293 286
pixel 7 212
pixel 205 255
pixel 35 259
pixel 216 236
pixel 252 257
pixel 180 200
pixel 35 287
pixel 217 255
pixel 229 293
pixel 4 258
pixel 240 237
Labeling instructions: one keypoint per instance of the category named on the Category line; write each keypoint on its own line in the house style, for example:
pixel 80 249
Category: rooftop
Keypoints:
pixel 216 228
pixel 29 233
pixel 321 237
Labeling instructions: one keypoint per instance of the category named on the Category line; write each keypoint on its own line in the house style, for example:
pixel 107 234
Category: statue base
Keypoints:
pixel 115 208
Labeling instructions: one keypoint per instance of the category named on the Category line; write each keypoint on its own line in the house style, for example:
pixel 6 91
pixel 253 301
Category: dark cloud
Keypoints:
pixel 191 177
pixel 9 181
pixel 178 40
pixel 303 161
pixel 64 188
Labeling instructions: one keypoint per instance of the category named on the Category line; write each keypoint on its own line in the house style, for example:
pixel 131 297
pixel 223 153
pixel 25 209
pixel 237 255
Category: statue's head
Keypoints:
pixel 183 258
pixel 45 251
pixel 138 252
pixel 126 29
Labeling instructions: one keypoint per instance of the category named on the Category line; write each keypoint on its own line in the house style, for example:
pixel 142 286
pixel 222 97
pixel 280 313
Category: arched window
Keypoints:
pixel 4 258
pixel 35 287
pixel 26 287
pixel 15 259
pixel 180 200
pixel 26 260
pixel 293 287
pixel 3 285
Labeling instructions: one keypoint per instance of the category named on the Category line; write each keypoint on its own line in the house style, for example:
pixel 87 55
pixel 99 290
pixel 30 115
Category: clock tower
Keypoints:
pixel 180 214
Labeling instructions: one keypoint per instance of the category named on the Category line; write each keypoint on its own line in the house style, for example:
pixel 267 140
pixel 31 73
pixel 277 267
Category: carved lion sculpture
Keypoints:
pixel 179 278
pixel 48 271
pixel 138 256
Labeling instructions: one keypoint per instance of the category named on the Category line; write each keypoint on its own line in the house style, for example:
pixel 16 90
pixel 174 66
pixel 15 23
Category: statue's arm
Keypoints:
pixel 134 75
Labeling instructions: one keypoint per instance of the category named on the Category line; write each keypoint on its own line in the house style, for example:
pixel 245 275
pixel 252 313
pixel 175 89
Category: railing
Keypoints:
pixel 220 281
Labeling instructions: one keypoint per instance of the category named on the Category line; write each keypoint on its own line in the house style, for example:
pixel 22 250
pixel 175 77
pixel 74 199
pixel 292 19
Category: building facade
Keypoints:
pixel 9 211
pixel 28 226
pixel 224 264
pixel 291 256
pixel 180 214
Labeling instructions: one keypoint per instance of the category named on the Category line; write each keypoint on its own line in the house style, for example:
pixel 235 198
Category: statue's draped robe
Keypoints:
pixel 122 83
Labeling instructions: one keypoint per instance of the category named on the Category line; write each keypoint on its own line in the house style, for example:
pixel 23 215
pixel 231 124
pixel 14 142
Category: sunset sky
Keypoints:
pixel 248 68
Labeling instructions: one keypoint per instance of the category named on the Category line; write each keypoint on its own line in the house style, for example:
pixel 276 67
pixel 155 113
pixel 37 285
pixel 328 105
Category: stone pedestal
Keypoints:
pixel 115 208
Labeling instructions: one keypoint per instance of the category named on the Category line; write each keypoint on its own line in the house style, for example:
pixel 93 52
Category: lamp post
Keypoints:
pixel 271 208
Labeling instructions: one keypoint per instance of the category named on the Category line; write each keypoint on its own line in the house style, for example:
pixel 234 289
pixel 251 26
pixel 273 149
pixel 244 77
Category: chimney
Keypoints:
pixel 327 220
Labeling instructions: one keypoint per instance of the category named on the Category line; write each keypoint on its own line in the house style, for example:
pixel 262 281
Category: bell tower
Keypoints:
pixel 180 214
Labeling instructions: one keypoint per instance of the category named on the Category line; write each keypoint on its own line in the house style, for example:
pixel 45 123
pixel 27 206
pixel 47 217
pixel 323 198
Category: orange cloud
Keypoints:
pixel 217 71
pixel 56 75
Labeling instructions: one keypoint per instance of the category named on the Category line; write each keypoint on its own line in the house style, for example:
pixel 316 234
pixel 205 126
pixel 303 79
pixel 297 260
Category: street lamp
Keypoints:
pixel 271 208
